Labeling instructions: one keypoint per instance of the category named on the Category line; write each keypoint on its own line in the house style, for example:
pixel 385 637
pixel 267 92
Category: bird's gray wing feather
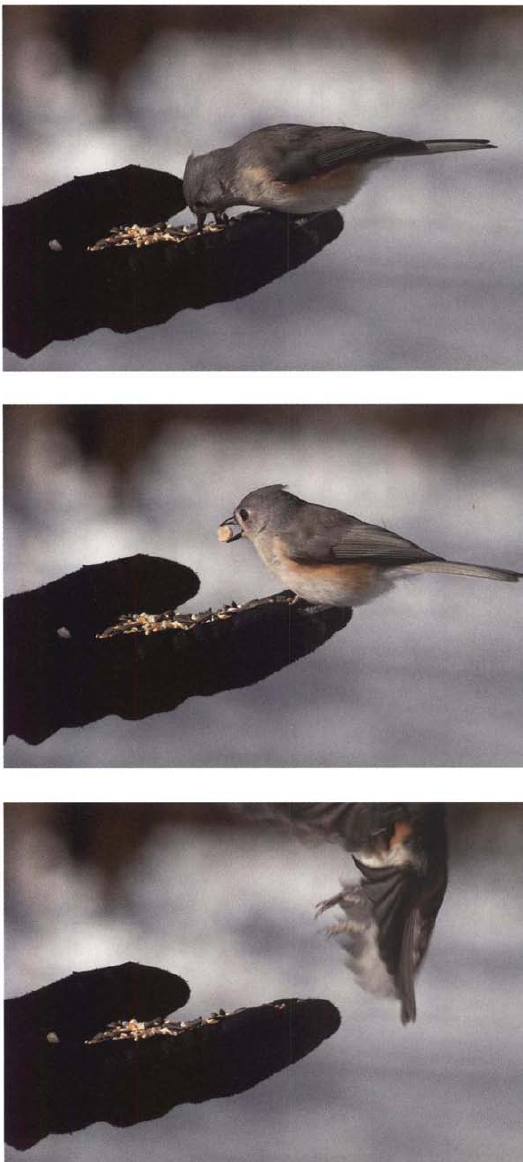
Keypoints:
pixel 380 546
pixel 391 892
pixel 319 151
pixel 409 959
pixel 325 535
pixel 354 826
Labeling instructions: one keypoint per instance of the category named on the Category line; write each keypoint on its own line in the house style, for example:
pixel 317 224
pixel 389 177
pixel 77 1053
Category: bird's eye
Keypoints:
pixel 243 514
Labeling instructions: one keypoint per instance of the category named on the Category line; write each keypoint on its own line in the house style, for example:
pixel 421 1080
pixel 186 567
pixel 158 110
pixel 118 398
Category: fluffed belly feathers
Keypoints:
pixel 314 194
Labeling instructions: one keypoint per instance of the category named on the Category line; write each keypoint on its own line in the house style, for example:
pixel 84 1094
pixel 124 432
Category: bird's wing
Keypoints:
pixel 355 826
pixel 324 536
pixel 415 941
pixel 379 545
pixel 314 152
pixel 407 964
pixel 390 891
pixel 405 920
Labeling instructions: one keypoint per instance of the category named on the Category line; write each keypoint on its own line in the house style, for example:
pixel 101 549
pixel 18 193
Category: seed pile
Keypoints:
pixel 138 236
pixel 133 1030
pixel 147 623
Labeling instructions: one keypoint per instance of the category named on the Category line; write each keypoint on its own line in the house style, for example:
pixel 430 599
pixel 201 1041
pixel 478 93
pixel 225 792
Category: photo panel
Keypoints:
pixel 174 984
pixel 263 586
pixel 366 159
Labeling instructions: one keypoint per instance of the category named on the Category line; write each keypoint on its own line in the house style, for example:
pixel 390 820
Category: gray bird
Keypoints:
pixel 400 851
pixel 330 558
pixel 298 169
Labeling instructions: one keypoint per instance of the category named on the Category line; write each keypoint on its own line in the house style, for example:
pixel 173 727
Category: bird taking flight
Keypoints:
pixel 400 851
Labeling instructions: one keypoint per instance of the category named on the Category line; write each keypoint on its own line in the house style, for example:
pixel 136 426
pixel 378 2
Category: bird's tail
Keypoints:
pixel 458 143
pixel 462 568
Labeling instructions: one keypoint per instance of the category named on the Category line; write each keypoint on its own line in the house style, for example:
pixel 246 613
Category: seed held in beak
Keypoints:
pixel 226 533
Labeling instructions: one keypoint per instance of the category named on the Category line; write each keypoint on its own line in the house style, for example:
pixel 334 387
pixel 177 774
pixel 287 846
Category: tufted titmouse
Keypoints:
pixel 297 169
pixel 330 558
pixel 389 916
pixel 400 851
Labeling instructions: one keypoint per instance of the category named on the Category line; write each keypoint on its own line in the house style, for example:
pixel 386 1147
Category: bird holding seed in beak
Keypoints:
pixel 330 558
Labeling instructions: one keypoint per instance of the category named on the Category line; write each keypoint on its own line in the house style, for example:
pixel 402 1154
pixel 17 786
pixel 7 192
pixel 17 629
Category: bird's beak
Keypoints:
pixel 228 534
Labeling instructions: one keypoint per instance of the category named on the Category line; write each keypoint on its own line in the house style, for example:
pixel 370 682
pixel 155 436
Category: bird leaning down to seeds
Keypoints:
pixel 298 169
pixel 330 558
pixel 400 850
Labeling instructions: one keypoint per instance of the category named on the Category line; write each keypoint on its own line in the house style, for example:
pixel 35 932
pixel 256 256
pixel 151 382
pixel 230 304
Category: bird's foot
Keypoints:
pixel 324 904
